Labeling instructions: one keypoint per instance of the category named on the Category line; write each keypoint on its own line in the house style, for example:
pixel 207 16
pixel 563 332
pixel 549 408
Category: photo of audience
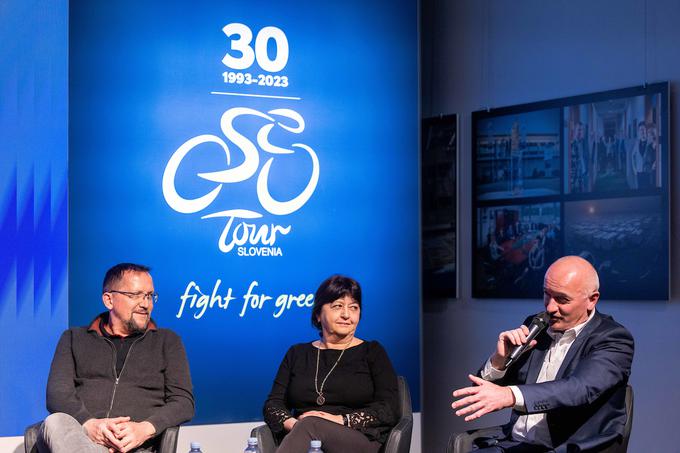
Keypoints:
pixel 616 235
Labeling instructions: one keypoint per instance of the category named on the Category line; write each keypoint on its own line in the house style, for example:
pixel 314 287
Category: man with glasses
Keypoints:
pixel 116 385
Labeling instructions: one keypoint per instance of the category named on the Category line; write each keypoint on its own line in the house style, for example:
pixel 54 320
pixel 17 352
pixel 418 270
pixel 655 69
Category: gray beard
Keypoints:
pixel 133 328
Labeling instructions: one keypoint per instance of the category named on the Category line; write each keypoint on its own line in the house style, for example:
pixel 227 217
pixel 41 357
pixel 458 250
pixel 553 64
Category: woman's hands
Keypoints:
pixel 289 423
pixel 330 417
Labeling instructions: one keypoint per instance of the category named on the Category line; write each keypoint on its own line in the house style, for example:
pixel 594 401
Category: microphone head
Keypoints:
pixel 541 320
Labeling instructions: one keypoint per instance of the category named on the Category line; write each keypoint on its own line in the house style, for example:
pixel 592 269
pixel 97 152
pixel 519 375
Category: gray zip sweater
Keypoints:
pixel 154 384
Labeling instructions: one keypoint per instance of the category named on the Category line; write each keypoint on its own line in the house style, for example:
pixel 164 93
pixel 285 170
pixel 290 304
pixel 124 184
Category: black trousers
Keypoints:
pixel 511 446
pixel 335 438
pixel 495 441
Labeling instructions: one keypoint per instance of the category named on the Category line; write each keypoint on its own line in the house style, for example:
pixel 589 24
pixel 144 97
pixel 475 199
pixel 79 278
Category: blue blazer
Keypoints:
pixel 585 404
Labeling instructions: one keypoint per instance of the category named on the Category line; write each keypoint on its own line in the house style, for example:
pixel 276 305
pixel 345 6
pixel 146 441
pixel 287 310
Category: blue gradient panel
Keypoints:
pixel 243 204
pixel 33 203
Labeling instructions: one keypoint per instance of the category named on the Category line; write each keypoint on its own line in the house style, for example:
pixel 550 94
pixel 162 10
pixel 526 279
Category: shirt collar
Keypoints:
pixel 111 336
pixel 573 332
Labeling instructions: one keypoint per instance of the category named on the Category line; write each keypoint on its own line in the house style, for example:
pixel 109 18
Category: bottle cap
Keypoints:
pixel 252 441
pixel 316 444
pixel 195 446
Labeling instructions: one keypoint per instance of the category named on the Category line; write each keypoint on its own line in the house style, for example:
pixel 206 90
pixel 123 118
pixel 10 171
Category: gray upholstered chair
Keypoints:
pixel 168 441
pixel 462 442
pixel 398 441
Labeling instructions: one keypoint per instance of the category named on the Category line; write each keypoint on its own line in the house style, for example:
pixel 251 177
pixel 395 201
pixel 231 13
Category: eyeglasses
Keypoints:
pixel 139 296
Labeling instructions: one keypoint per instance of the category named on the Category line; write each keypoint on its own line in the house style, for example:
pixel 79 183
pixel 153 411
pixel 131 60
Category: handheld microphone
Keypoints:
pixel 537 325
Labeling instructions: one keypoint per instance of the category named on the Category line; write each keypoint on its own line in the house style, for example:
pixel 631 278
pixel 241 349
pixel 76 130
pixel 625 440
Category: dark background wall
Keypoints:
pixel 492 53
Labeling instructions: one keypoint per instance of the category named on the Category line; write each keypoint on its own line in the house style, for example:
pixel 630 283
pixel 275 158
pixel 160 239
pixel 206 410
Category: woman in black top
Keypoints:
pixel 340 389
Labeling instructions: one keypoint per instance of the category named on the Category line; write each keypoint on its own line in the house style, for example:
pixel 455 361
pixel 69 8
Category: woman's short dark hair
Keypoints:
pixel 333 288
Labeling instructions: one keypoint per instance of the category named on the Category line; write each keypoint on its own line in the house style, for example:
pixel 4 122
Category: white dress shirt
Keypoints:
pixel 533 428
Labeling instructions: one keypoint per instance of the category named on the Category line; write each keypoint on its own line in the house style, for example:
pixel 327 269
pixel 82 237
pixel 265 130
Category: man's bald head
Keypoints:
pixel 580 270
pixel 571 290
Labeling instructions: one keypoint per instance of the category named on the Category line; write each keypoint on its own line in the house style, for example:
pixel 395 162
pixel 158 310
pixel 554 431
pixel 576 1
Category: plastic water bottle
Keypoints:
pixel 315 447
pixel 195 448
pixel 252 446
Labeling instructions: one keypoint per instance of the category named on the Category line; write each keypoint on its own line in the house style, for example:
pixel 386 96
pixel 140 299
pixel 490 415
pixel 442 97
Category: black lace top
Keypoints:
pixel 363 387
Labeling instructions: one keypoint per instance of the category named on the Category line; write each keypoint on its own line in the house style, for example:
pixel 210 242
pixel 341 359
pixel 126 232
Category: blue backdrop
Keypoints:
pixel 33 203
pixel 245 171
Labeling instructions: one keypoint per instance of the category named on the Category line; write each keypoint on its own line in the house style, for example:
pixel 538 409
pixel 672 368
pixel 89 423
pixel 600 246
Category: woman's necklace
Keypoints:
pixel 320 400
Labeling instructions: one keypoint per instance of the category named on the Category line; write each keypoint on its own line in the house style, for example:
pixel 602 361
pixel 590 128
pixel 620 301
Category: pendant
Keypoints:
pixel 320 400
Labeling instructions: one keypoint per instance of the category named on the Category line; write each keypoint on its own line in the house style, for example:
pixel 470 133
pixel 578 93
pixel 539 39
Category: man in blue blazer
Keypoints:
pixel 568 391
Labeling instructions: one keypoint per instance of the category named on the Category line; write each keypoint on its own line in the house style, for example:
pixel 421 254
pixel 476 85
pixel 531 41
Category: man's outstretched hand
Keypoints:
pixel 481 399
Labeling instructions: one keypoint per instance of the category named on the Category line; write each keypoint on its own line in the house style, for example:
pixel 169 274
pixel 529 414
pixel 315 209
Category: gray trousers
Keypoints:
pixel 61 433
pixel 335 438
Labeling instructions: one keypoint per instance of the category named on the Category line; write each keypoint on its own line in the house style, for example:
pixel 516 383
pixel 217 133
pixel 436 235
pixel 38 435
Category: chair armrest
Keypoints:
pixel 399 440
pixel 462 442
pixel 30 438
pixel 265 438
pixel 168 442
